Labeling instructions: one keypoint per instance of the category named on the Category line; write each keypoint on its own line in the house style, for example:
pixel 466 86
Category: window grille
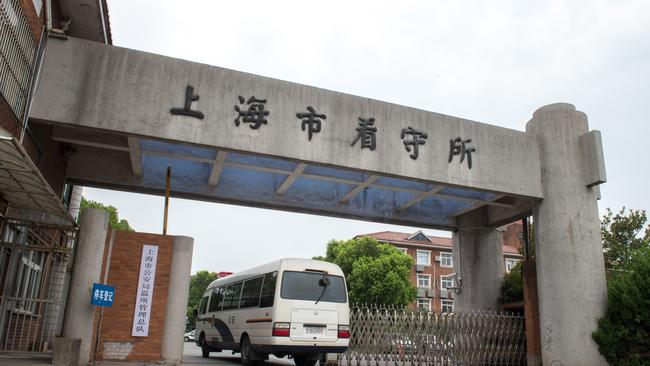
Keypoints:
pixel 17 49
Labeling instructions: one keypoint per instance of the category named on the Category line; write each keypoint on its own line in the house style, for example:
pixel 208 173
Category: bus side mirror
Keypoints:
pixel 195 312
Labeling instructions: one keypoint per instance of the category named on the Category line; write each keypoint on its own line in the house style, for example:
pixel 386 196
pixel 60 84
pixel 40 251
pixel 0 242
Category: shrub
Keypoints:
pixel 513 285
pixel 623 334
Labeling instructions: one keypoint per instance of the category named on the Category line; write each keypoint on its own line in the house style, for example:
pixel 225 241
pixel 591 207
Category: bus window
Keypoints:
pixel 250 294
pixel 216 300
pixel 306 286
pixel 268 289
pixel 204 304
pixel 231 298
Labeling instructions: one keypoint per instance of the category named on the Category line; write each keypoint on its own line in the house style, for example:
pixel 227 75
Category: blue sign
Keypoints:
pixel 102 295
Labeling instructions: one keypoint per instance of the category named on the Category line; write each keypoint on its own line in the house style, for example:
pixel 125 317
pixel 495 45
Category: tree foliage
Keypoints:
pixel 624 234
pixel 113 219
pixel 513 285
pixel 623 334
pixel 376 273
pixel 198 283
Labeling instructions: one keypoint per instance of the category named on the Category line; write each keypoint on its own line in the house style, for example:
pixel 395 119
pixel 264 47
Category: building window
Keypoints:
pixel 510 263
pixel 446 282
pixel 447 306
pixel 424 304
pixel 424 281
pixel 446 259
pixel 403 250
pixel 424 257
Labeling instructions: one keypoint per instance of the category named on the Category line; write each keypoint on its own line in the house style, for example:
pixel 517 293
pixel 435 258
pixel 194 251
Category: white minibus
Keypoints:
pixel 290 307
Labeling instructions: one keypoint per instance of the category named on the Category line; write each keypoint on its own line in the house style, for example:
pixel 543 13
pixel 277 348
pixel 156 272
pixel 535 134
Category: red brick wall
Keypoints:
pixel 512 234
pixel 35 22
pixel 8 121
pixel 123 275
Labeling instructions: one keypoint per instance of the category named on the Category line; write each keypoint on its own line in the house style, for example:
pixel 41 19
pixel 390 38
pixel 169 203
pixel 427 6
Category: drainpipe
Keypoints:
pixel 48 15
pixel 100 4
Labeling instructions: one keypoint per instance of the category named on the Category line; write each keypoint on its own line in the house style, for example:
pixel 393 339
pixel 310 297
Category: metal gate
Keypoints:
pixel 33 274
pixel 385 336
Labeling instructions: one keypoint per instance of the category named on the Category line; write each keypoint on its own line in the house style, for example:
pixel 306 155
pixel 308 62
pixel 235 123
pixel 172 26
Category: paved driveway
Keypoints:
pixel 192 356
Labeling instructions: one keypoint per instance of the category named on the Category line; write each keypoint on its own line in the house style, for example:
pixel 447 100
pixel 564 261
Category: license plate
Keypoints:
pixel 314 330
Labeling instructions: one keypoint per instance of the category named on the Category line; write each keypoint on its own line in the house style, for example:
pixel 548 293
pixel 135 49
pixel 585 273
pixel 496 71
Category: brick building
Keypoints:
pixel 434 262
pixel 38 232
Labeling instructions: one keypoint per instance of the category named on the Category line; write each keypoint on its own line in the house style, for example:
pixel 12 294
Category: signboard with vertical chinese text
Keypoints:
pixel 144 296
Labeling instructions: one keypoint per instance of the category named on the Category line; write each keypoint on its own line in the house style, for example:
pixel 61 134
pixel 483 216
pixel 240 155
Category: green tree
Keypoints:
pixel 513 285
pixel 623 334
pixel 113 219
pixel 198 283
pixel 624 234
pixel 376 273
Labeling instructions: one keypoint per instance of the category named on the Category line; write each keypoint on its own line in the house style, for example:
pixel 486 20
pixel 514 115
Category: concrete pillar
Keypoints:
pixel 179 288
pixel 79 313
pixel 569 254
pixel 478 263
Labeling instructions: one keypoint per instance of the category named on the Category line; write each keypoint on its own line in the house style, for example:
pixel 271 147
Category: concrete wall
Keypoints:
pixel 478 261
pixel 79 313
pixel 88 84
pixel 569 254
pixel 179 289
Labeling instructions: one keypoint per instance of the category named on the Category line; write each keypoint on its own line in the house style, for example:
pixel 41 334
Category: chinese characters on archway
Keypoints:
pixel 253 112
pixel 144 295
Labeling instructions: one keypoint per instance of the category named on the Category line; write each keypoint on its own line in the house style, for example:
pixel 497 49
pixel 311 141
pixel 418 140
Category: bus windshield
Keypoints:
pixel 307 286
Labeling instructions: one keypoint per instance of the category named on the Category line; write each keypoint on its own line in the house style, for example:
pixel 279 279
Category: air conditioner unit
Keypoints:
pixel 431 293
pixel 437 258
pixel 422 292
pixel 445 294
pixel 419 268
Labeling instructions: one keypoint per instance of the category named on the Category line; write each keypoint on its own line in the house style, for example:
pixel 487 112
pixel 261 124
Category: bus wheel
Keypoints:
pixel 205 350
pixel 304 361
pixel 247 353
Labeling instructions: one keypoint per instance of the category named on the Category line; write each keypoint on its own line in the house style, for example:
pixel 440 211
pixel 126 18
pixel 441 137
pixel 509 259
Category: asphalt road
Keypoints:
pixel 192 356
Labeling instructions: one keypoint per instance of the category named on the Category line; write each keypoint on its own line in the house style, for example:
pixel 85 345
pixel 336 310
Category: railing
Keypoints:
pixel 17 49
pixel 33 264
pixel 385 336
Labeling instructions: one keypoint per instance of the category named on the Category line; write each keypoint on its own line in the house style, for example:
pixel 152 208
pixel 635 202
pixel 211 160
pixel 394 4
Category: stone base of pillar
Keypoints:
pixel 79 313
pixel 179 287
pixel 66 351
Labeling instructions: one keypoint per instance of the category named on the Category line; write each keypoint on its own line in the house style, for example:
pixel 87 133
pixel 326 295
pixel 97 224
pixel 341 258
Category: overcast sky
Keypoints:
pixel 488 61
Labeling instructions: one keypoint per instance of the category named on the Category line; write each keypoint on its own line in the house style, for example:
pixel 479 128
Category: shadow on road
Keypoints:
pixel 192 356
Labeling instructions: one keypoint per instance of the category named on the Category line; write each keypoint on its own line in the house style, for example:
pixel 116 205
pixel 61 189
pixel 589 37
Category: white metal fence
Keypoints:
pixel 386 336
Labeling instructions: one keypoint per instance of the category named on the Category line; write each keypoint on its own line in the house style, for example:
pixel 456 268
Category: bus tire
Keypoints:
pixel 205 349
pixel 247 353
pixel 304 360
